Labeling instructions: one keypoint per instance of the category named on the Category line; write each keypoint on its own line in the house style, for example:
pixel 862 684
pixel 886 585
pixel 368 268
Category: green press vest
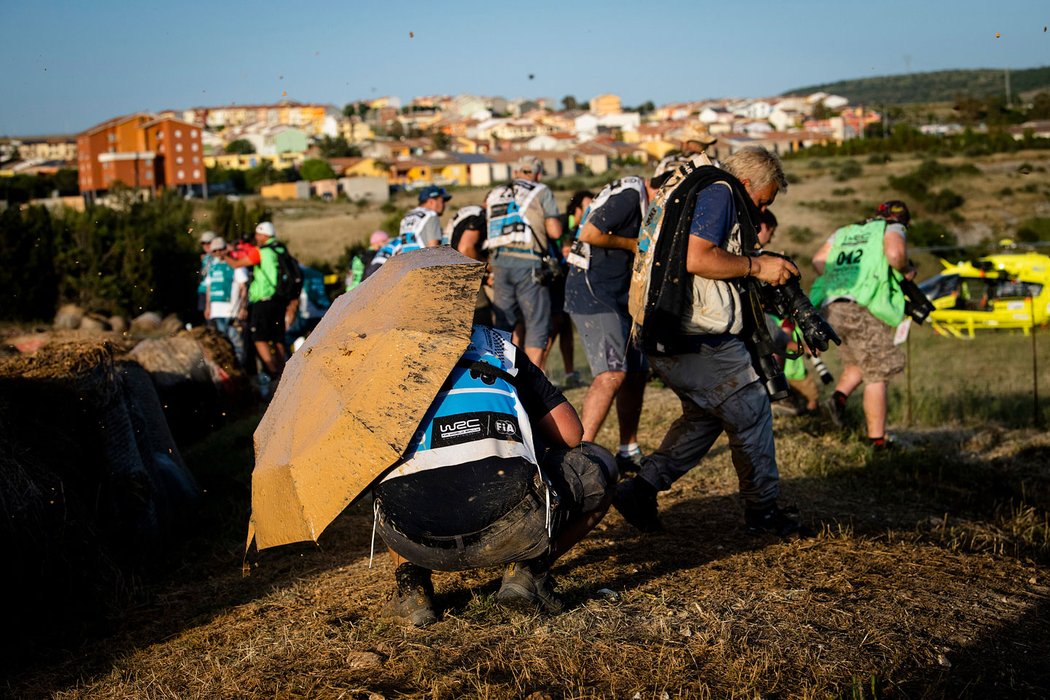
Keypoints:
pixel 857 267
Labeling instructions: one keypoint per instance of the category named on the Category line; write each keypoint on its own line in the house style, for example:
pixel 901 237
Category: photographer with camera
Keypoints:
pixel 788 339
pixel 863 299
pixel 695 341
pixel 523 218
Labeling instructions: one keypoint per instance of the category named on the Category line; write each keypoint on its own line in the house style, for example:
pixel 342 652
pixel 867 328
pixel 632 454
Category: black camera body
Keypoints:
pixel 789 301
pixel 786 301
pixel 916 304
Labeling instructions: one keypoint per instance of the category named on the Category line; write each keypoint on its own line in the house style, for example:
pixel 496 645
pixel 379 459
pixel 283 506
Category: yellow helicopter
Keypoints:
pixel 1004 291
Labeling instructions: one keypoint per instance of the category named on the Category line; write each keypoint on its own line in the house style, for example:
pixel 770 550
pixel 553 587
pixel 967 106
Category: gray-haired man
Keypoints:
pixel 715 380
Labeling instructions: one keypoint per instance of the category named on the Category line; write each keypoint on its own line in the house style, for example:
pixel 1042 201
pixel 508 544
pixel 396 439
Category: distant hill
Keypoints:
pixel 936 86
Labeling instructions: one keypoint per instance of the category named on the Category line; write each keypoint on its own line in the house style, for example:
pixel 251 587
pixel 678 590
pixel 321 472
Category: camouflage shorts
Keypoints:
pixel 866 341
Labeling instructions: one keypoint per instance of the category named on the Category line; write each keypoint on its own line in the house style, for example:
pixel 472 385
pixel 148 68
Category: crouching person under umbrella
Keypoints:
pixel 496 475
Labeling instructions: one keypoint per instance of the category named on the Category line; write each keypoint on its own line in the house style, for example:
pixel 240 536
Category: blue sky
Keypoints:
pixel 68 65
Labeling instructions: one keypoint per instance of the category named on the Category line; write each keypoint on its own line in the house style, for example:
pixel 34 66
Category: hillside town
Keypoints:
pixel 465 140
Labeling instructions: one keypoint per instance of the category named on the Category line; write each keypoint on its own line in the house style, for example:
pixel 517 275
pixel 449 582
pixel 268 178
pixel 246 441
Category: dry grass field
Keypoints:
pixel 816 201
pixel 929 576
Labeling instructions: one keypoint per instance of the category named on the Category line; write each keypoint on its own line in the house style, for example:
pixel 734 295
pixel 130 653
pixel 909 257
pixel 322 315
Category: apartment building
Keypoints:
pixel 141 151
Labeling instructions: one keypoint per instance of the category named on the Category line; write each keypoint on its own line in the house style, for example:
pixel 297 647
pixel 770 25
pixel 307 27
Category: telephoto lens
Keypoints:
pixel 821 369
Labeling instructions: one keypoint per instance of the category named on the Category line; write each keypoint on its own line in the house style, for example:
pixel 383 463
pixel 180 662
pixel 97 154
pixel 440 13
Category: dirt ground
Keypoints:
pixel 929 578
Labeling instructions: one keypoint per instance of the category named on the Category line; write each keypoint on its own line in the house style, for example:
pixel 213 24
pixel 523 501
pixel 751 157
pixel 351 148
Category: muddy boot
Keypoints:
pixel 412 599
pixel 782 522
pixel 629 464
pixel 635 499
pixel 529 587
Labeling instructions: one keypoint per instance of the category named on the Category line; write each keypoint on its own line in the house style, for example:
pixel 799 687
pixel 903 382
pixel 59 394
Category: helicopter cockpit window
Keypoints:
pixel 1015 289
pixel 940 286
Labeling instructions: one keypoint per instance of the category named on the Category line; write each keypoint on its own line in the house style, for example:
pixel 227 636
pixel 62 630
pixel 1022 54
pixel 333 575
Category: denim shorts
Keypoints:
pixel 606 339
pixel 517 296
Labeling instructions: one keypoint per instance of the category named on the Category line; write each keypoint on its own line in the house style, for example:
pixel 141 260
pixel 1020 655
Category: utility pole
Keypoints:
pixel 1006 71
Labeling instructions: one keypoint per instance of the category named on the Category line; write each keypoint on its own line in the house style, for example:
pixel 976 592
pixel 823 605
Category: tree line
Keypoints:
pixel 124 259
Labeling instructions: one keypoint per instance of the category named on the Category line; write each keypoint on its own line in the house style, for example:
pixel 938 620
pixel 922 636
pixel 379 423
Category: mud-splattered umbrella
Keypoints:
pixel 354 394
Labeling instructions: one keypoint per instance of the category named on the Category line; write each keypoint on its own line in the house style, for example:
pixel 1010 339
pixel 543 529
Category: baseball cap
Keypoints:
pixel 207 237
pixel 378 238
pixel 217 243
pixel 894 210
pixel 529 164
pixel 266 229
pixel 433 192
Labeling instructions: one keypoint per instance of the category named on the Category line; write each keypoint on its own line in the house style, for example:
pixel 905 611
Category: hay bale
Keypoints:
pixel 94 322
pixel 217 348
pixel 145 323
pixel 68 317
pixel 80 507
pixel 173 361
pixel 186 382
pixel 171 324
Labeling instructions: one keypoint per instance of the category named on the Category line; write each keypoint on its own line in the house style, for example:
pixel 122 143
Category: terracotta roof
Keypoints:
pixel 115 121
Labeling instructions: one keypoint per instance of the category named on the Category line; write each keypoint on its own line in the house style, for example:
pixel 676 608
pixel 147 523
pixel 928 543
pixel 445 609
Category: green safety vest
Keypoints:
pixel 857 267
pixel 264 276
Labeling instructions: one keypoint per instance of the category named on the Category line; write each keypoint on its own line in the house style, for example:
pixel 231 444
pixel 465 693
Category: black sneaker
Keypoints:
pixel 528 590
pixel 886 443
pixel 412 599
pixel 571 381
pixel 637 505
pixel 836 411
pixel 629 464
pixel 782 522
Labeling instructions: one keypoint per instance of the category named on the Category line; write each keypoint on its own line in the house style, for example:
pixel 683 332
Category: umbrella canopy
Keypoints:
pixel 353 396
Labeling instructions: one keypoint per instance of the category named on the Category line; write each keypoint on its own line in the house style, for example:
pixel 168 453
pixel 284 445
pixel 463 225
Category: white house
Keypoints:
pixel 625 121
pixel 783 118
pixel 586 126
pixel 835 102
pixel 759 109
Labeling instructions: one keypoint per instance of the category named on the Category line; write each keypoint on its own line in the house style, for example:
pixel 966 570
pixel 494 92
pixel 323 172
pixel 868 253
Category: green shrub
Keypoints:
pixel 945 200
pixel 879 158
pixel 1034 229
pixel 925 233
pixel 848 170
pixel 843 191
pixel 801 234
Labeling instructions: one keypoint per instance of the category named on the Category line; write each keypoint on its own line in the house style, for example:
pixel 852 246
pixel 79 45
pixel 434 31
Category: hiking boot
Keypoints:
pixel 412 599
pixel 629 464
pixel 836 411
pixel 571 381
pixel 528 590
pixel 782 522
pixel 637 504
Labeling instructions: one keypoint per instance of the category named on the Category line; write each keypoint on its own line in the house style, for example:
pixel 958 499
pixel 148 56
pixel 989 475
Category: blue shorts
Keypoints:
pixel 517 296
pixel 607 341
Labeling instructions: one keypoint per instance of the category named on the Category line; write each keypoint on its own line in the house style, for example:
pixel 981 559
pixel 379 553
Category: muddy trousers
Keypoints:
pixel 746 419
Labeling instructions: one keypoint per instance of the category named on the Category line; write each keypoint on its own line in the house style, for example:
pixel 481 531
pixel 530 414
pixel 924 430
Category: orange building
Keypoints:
pixel 141 151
